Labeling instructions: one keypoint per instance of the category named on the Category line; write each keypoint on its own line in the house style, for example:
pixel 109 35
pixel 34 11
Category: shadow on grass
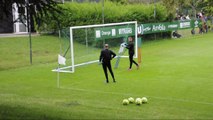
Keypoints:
pixel 22 113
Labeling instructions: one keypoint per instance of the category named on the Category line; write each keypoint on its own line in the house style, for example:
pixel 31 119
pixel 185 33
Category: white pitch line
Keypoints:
pixel 127 94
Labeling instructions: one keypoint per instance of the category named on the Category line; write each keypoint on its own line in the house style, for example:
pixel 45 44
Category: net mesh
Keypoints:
pixel 86 46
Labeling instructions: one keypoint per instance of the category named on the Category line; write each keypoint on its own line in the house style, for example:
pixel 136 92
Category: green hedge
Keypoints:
pixel 91 13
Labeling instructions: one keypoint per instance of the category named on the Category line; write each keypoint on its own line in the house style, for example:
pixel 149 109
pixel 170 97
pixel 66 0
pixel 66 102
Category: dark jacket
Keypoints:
pixel 106 55
pixel 130 46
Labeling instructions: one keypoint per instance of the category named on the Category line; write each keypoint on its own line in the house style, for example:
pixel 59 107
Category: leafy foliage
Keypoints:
pixel 91 13
pixel 196 6
pixel 209 7
pixel 37 9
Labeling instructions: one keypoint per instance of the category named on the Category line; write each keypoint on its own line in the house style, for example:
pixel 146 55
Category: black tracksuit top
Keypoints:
pixel 106 55
pixel 130 46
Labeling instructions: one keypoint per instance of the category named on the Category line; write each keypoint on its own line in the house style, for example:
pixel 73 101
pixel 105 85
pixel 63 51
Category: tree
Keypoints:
pixel 209 7
pixel 171 6
pixel 37 8
pixel 177 6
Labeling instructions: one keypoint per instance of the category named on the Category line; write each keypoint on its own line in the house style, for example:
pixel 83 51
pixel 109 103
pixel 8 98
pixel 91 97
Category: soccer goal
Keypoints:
pixel 81 45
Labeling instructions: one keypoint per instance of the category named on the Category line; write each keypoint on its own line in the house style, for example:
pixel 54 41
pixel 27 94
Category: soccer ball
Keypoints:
pixel 138 101
pixel 144 100
pixel 131 100
pixel 125 102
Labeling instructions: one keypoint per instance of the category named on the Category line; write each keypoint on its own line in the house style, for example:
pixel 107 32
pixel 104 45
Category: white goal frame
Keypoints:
pixel 62 69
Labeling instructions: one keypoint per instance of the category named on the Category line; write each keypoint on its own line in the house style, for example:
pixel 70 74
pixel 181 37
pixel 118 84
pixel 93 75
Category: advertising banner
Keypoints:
pixel 166 26
pixel 114 32
pixel 129 30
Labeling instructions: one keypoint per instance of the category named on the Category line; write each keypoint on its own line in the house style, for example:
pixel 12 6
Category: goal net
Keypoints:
pixel 81 45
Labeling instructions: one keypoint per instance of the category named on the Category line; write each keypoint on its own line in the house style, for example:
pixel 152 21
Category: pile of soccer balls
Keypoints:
pixel 137 101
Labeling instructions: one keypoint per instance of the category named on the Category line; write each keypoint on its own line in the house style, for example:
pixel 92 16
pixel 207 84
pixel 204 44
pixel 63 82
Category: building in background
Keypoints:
pixel 14 23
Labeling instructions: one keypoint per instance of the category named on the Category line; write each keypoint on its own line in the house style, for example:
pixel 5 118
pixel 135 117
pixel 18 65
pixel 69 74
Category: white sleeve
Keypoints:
pixel 122 46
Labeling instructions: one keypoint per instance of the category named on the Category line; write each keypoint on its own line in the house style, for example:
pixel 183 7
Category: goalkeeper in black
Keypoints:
pixel 105 57
pixel 130 47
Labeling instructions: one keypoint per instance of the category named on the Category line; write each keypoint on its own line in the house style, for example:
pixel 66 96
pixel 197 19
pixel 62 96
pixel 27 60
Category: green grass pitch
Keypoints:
pixel 175 75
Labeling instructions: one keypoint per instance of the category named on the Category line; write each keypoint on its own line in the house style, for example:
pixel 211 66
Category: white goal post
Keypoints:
pixel 85 42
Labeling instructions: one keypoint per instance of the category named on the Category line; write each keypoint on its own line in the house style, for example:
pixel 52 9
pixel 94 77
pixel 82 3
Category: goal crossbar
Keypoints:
pixel 71 68
pixel 103 25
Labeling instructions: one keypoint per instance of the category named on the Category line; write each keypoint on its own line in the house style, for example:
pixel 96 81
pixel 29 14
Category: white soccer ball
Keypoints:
pixel 125 102
pixel 144 100
pixel 138 101
pixel 131 100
